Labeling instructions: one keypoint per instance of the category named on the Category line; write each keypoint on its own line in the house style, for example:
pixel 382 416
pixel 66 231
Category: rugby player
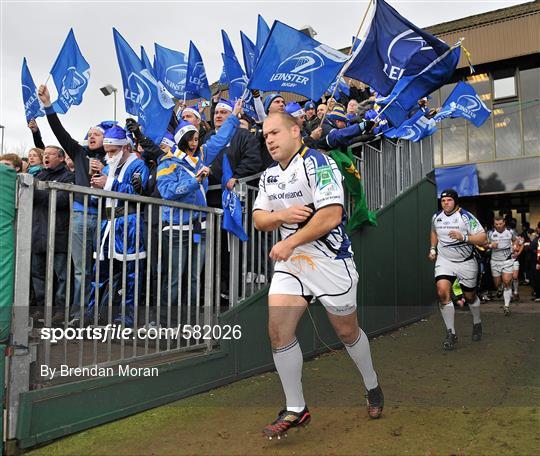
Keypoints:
pixel 502 244
pixel 454 233
pixel 301 193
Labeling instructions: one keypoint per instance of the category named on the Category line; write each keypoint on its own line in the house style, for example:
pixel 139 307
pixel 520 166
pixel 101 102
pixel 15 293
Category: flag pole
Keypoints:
pixel 48 77
pixel 340 75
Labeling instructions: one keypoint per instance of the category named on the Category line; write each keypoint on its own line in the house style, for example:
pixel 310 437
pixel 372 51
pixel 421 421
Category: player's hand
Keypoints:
pixel 494 245
pixel 295 214
pixel 281 251
pixel 455 234
pixel 432 256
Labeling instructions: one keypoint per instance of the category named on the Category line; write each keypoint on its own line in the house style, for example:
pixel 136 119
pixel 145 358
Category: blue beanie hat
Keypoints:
pixel 294 109
pixel 182 128
pixel 115 136
pixel 338 113
pixel 269 99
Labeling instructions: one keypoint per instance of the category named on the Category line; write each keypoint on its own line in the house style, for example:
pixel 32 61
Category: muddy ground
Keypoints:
pixel 483 398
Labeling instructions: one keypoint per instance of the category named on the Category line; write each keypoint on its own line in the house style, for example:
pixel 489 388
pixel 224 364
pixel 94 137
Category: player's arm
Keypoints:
pixel 324 221
pixel 434 240
pixel 272 220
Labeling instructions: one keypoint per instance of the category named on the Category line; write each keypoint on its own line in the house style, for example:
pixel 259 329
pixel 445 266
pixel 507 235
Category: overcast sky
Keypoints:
pixel 37 29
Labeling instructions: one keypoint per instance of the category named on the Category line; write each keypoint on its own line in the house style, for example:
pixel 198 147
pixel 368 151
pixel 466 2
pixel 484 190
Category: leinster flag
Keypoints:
pixel 464 102
pixel 249 50
pixel 146 61
pixel 32 105
pixel 196 81
pixel 232 206
pixel 237 81
pixel 262 33
pixel 391 48
pixel 170 68
pixel 414 129
pixel 293 62
pixel 143 95
pixel 70 74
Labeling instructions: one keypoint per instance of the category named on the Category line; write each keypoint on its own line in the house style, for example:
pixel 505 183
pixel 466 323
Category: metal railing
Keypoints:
pixel 387 169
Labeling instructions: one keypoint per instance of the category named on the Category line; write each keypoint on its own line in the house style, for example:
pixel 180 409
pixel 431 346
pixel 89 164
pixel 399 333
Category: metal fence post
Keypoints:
pixel 209 274
pixel 20 356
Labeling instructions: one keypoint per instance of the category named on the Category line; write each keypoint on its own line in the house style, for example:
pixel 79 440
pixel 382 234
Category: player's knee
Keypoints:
pixel 279 336
pixel 443 295
pixel 347 334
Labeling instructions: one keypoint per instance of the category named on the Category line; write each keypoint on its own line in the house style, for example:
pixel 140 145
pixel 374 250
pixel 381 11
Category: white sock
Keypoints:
pixel 288 361
pixel 361 355
pixel 507 295
pixel 448 312
pixel 475 310
pixel 515 285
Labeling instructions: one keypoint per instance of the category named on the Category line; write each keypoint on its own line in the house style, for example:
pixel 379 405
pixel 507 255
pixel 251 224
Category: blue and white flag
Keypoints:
pixel 144 96
pixel 414 129
pixel 232 206
pixel 409 89
pixel 250 53
pixel 463 179
pixel 391 48
pixel 146 61
pixel 294 62
pixel 262 33
pixel 196 80
pixel 70 74
pixel 341 87
pixel 170 68
pixel 464 102
pixel 238 81
pixel 223 76
pixel 32 105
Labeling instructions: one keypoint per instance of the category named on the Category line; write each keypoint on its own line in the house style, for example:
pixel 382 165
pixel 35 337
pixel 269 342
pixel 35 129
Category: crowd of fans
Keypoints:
pixel 189 158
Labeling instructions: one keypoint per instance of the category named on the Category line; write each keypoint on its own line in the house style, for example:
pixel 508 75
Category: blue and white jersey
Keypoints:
pixel 462 221
pixel 505 244
pixel 310 179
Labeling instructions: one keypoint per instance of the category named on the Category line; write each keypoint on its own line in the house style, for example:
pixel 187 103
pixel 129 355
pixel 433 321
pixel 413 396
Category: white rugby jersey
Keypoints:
pixel 505 244
pixel 462 221
pixel 310 179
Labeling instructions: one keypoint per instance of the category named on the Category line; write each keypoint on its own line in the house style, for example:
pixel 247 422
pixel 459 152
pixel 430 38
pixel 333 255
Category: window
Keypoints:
pixel 481 139
pixel 530 110
pixel 507 129
pixel 505 88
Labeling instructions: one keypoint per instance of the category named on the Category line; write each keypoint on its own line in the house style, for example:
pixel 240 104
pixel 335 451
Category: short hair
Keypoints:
pixel 287 119
pixel 14 159
pixel 58 149
pixel 499 218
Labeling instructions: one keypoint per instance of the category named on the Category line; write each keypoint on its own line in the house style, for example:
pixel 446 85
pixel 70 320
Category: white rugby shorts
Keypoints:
pixel 332 282
pixel 465 271
pixel 502 267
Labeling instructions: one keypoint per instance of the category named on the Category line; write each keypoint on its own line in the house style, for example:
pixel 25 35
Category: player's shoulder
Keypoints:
pixel 466 215
pixel 437 217
pixel 315 157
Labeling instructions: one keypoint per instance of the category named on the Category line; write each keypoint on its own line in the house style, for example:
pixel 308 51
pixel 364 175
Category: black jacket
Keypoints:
pixel 40 212
pixel 79 154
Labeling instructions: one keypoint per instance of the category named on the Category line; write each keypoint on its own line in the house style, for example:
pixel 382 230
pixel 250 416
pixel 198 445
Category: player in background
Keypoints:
pixel 454 233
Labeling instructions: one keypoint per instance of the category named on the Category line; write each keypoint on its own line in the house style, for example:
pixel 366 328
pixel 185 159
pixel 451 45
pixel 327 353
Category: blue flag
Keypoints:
pixel 146 61
pixel 392 48
pixel 414 129
pixel 463 179
pixel 170 68
pixel 32 105
pixel 238 81
pixel 232 206
pixel 196 80
pixel 223 76
pixel 293 62
pixel 409 89
pixel 464 102
pixel 70 74
pixel 144 96
pixel 342 87
pixel 262 33
pixel 227 46
pixel 251 55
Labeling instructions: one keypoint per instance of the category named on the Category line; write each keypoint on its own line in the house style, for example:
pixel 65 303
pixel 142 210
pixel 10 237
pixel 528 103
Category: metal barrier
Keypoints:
pixel 144 290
